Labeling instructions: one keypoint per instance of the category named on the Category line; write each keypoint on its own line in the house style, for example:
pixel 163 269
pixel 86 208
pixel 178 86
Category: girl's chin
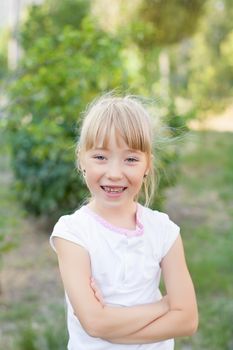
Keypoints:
pixel 113 201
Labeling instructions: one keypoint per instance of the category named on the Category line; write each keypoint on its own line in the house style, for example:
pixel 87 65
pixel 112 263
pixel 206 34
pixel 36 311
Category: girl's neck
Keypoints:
pixel 116 216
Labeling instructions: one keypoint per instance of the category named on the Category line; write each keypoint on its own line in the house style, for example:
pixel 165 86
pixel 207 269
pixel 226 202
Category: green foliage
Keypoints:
pixel 57 80
pixel 4 37
pixel 164 23
pixel 210 59
pixel 198 38
pixel 8 219
pixel 3 65
pixel 48 19
pixel 167 152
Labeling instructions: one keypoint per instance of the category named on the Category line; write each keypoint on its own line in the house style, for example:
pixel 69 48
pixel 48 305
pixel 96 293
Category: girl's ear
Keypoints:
pixel 79 160
pixel 80 166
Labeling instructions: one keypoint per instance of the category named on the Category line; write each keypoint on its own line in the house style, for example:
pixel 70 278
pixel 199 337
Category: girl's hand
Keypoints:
pixel 97 292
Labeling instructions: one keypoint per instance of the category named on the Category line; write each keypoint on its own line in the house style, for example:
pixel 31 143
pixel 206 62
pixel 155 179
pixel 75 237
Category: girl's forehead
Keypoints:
pixel 113 139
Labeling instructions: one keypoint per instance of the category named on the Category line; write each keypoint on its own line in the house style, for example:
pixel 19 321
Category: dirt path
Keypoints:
pixel 223 122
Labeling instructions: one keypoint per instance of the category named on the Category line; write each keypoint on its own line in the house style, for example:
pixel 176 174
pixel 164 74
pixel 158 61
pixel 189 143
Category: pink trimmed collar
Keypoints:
pixel 128 233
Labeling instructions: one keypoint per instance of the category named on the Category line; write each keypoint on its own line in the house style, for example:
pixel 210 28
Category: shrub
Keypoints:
pixel 57 80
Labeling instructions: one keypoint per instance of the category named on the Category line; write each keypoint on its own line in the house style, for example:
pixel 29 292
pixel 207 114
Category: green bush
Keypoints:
pixel 9 219
pixel 49 18
pixel 57 80
pixel 167 152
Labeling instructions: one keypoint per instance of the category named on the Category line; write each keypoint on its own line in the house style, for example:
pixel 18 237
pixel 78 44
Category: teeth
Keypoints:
pixel 113 190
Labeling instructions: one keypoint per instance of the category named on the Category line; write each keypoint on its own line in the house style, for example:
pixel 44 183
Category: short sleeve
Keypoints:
pixel 70 229
pixel 170 234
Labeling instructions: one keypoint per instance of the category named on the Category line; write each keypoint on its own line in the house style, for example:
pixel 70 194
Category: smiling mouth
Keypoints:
pixel 113 189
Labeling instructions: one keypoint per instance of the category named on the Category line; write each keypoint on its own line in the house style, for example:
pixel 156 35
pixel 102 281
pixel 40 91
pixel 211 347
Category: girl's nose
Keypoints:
pixel 114 171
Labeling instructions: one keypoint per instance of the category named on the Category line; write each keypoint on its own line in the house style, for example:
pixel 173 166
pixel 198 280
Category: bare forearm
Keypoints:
pixel 171 325
pixel 119 322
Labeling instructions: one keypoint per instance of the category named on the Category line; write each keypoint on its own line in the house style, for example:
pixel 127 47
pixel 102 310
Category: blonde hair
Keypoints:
pixel 128 116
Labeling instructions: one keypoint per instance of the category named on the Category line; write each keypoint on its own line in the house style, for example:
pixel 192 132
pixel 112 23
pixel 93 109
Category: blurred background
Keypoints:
pixel 55 57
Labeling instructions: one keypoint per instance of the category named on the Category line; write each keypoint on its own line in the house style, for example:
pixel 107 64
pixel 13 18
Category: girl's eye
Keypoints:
pixel 132 160
pixel 99 157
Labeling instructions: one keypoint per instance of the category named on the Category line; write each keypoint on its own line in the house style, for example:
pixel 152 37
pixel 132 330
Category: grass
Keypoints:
pixel 41 332
pixel 201 203
pixel 207 183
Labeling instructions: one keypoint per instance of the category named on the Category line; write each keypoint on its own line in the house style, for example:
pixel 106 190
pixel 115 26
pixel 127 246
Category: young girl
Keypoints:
pixel 112 251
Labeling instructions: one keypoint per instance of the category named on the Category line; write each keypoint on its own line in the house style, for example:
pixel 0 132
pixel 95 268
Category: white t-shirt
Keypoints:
pixel 125 264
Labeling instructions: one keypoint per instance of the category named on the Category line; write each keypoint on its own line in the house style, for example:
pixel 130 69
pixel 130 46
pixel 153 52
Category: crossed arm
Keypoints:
pixel 172 316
